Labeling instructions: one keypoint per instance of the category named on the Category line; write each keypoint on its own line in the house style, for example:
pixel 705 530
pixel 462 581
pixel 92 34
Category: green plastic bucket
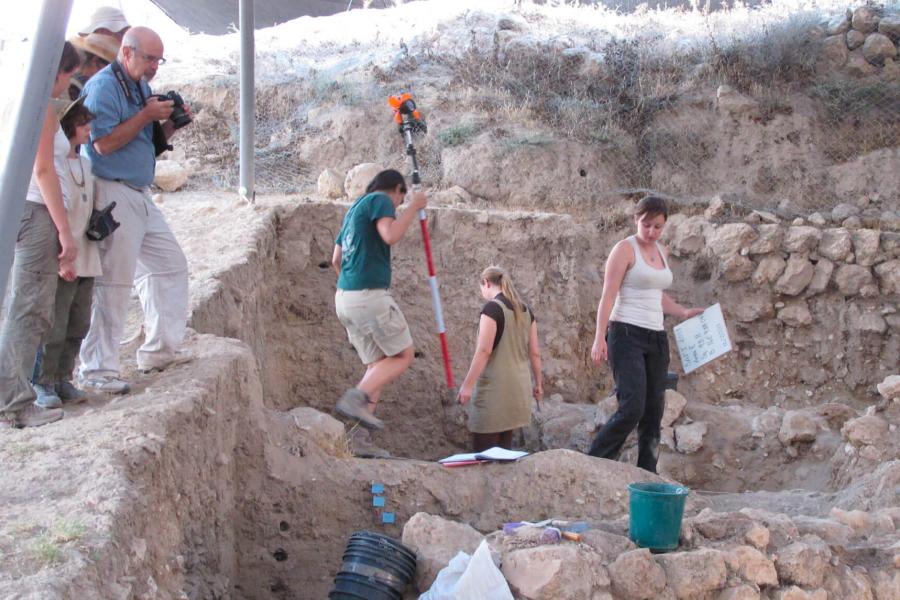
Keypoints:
pixel 655 514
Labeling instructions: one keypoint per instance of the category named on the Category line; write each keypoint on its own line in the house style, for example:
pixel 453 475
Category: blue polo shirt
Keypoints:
pixel 135 162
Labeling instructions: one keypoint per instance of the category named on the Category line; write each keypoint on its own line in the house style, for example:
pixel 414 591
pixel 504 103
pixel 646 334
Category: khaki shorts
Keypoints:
pixel 375 326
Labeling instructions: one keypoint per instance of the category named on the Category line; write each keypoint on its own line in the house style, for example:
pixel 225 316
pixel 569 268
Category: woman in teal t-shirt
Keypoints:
pixel 374 323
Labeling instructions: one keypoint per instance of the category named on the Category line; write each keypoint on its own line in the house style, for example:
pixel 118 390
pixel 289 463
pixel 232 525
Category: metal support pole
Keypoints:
pixel 21 146
pixel 248 101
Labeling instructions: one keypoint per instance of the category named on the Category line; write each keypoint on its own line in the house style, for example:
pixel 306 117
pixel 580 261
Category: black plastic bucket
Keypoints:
pixel 374 567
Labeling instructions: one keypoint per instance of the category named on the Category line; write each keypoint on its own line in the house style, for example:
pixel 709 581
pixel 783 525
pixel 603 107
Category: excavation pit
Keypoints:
pixel 226 478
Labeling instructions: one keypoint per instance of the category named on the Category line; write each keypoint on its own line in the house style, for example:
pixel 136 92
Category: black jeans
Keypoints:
pixel 639 359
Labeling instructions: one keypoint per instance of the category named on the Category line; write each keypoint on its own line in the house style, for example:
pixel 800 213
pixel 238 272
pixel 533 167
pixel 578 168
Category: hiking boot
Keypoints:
pixel 68 393
pixel 361 446
pixel 46 395
pixel 8 421
pixel 35 416
pixel 108 384
pixel 353 406
pixel 177 359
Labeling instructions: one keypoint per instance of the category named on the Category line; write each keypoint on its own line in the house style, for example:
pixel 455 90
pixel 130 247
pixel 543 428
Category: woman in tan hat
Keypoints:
pixel 97 51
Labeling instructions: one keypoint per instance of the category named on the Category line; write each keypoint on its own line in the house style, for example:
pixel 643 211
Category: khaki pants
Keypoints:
pixel 32 291
pixel 375 326
pixel 71 321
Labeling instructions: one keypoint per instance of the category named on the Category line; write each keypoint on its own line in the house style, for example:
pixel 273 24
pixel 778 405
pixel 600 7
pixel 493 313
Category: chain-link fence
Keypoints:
pixel 786 109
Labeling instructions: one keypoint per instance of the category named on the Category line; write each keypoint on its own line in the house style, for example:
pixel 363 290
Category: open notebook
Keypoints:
pixel 495 453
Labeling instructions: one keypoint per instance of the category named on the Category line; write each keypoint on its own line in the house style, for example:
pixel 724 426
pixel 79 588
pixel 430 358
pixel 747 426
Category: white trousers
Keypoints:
pixel 143 253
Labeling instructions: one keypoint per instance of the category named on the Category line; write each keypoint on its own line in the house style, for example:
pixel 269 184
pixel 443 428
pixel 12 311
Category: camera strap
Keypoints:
pixel 123 82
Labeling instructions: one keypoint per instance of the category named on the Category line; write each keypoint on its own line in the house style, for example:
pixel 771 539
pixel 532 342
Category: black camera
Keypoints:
pixel 102 223
pixel 179 117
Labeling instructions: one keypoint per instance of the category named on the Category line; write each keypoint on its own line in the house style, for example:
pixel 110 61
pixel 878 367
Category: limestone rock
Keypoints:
pixel 838 25
pixel 836 414
pixel 170 175
pixel 821 277
pixel 694 574
pixel 802 238
pixel 782 530
pixel 833 52
pixel 608 545
pixel 830 531
pixel 865 246
pixel 721 525
pixel 890 26
pixel 851 279
pixel 769 239
pixel 857 520
pixel 890 387
pixel 758 536
pixel 855 39
pixel 797 426
pixel 558 571
pixel 818 219
pixel 835 244
pixel 797 274
pixel 803 563
pixel 730 238
pixel 324 430
pixel 796 314
pixel 674 405
pixel 690 237
pixel 716 208
pixel 436 541
pixel 864 19
pixel 753 566
pixel 769 269
pixel 731 102
pixel 889 275
pixel 878 48
pixel 636 576
pixel 752 306
pixel 453 195
pixel 795 593
pixel 767 422
pixel 886 584
pixel 736 268
pixel 868 429
pixel 843 211
pixel 330 184
pixel 689 438
pixel 857 66
pixel 359 177
pixel 741 592
pixel 865 320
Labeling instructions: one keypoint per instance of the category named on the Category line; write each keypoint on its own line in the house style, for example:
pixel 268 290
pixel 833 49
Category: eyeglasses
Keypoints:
pixel 149 57
pixel 402 189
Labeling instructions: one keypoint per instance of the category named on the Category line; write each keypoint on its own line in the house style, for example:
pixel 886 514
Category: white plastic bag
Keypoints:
pixel 468 577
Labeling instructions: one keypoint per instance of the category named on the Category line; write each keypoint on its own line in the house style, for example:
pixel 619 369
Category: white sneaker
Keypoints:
pixel 108 384
pixel 178 359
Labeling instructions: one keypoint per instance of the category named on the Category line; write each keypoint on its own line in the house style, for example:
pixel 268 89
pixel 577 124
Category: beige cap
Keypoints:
pixel 106 17
pixel 104 46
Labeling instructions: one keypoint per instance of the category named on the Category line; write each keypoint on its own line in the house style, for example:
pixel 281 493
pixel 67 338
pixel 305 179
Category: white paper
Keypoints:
pixel 702 338
pixel 495 453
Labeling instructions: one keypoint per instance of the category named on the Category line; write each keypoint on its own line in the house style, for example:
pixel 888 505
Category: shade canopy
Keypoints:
pixel 217 17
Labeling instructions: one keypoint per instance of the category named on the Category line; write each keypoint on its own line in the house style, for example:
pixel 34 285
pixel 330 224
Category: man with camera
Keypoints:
pixel 131 128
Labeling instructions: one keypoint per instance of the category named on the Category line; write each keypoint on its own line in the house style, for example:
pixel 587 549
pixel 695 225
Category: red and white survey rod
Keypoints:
pixel 407 117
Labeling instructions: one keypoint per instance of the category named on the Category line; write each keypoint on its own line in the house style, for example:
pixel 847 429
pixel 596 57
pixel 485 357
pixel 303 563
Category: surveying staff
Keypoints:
pixel 499 383
pixel 43 241
pixel 374 323
pixel 630 334
pixel 143 251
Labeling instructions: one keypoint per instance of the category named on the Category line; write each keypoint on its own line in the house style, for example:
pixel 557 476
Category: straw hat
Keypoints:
pixel 62 106
pixel 104 46
pixel 106 17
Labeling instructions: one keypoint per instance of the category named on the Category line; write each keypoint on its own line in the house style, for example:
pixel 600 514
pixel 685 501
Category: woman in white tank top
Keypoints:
pixel 631 336
pixel 44 239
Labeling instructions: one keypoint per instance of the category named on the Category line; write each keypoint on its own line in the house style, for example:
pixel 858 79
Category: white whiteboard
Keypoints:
pixel 702 338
